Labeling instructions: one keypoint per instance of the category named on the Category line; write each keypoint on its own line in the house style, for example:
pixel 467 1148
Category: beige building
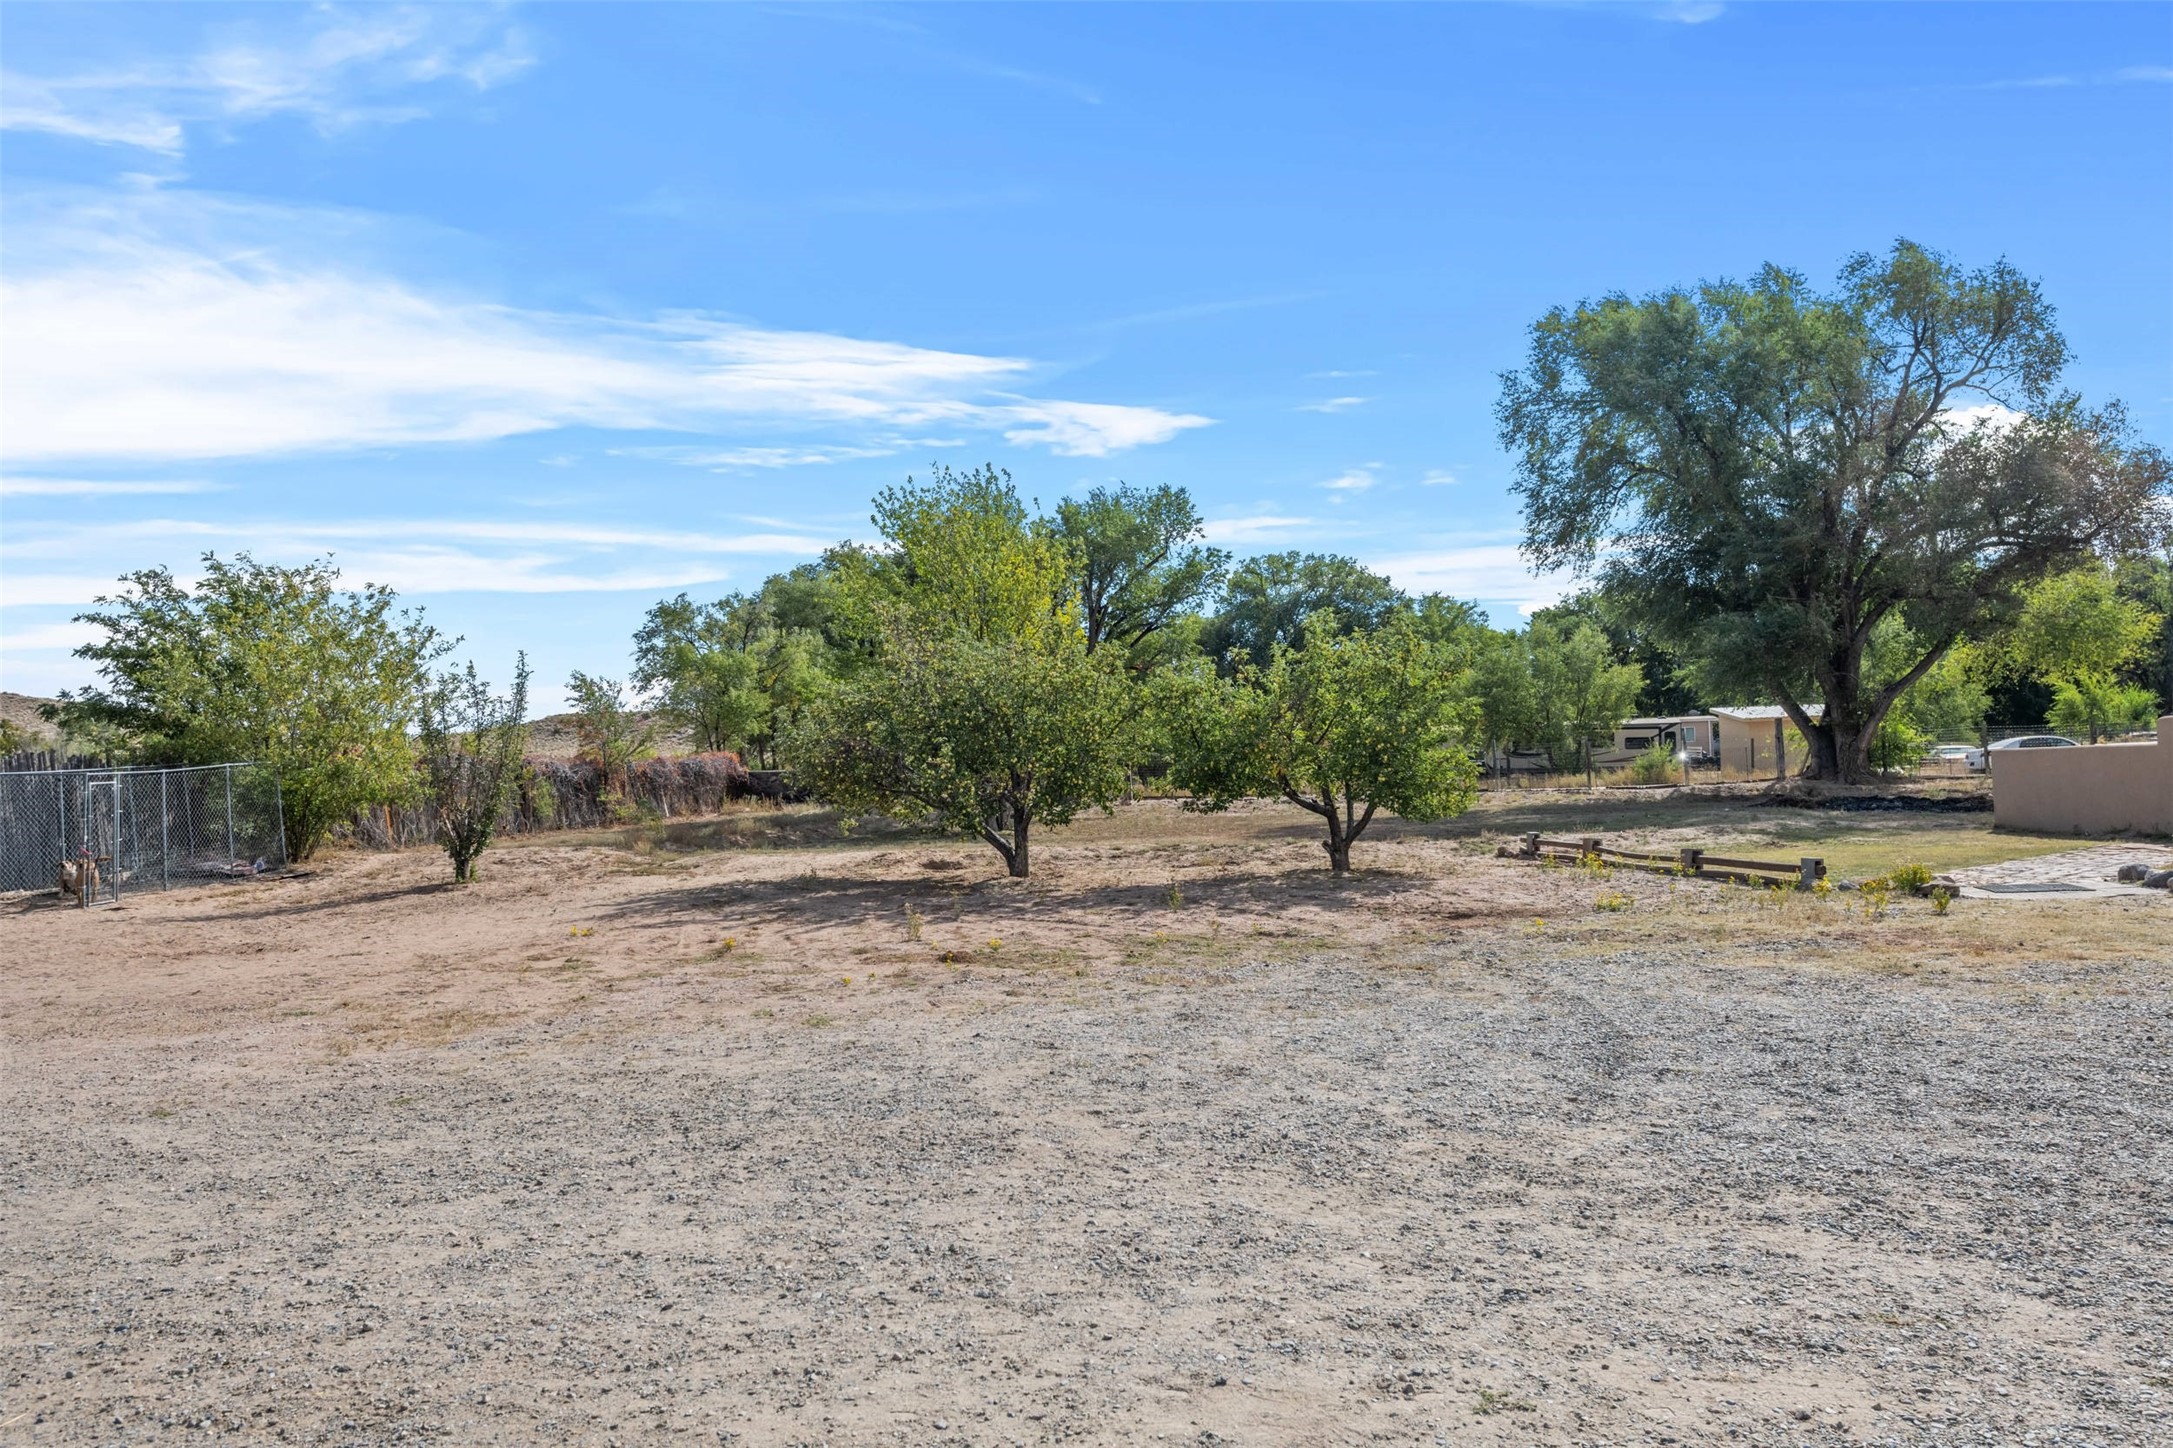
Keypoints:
pixel 2101 789
pixel 1754 738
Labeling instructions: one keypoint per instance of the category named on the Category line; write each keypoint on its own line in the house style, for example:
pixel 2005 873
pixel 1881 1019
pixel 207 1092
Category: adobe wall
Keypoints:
pixel 2098 789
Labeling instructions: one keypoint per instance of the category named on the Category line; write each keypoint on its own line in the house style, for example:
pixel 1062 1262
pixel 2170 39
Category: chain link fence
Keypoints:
pixel 94 834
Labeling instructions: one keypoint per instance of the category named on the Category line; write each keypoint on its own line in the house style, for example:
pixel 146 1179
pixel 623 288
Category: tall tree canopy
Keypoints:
pixel 1268 600
pixel 1763 473
pixel 1139 561
pixel 265 663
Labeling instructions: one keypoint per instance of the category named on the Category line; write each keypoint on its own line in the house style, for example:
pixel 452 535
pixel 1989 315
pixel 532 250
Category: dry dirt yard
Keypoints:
pixel 741 1132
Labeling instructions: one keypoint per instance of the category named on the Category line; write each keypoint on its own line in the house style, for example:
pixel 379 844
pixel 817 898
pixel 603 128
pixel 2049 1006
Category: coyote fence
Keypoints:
pixel 117 830
pixel 563 794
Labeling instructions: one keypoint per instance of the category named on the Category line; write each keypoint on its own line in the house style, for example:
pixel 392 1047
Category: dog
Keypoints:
pixel 78 879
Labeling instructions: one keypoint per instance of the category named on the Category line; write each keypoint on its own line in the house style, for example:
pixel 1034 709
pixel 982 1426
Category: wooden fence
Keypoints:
pixel 1690 862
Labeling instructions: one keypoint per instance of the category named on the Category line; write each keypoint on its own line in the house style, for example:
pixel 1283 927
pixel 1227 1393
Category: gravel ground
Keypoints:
pixel 1498 1185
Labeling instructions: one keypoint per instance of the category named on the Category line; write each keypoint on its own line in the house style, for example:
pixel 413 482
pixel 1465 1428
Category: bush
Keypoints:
pixel 1656 765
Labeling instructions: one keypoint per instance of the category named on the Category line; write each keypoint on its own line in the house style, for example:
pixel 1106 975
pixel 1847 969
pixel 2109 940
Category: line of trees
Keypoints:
pixel 1871 499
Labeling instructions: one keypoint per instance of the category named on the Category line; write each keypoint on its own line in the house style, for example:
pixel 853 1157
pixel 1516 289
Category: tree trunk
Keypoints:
pixel 1013 850
pixel 1020 819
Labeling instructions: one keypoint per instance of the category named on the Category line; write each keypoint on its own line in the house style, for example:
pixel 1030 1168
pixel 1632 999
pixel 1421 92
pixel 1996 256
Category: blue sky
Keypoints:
pixel 542 314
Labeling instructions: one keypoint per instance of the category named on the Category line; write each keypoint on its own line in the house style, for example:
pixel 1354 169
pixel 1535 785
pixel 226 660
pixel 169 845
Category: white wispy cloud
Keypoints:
pixel 168 328
pixel 2125 75
pixel 1488 570
pixel 1438 478
pixel 1340 372
pixel 1353 480
pixel 61 636
pixel 736 459
pixel 22 487
pixel 338 68
pixel 1259 528
pixel 1334 404
pixel 71 563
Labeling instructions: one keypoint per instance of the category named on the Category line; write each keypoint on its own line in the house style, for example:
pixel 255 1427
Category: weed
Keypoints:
pixel 1176 895
pixel 1908 879
pixel 994 945
pixel 1821 887
pixel 1595 867
pixel 728 945
pixel 913 923
pixel 819 1020
pixel 1875 897
pixel 1612 900
pixel 1491 1401
pixel 581 932
pixel 1942 897
pixel 845 980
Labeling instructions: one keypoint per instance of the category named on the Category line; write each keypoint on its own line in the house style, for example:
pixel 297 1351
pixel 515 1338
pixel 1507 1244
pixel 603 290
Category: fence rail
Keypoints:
pixel 1689 861
pixel 94 833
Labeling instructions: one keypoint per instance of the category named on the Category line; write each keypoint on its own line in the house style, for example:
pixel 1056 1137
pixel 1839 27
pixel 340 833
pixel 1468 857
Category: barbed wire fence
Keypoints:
pixel 95 834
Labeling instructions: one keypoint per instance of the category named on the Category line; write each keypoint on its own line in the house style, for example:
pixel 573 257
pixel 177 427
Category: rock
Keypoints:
pixel 2130 874
pixel 2158 880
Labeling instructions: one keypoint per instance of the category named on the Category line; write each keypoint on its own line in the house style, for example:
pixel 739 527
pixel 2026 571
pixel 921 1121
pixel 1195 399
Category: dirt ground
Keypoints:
pixel 761 1131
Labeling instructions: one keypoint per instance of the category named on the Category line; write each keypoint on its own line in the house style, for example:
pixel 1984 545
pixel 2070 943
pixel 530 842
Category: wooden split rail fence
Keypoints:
pixel 1690 861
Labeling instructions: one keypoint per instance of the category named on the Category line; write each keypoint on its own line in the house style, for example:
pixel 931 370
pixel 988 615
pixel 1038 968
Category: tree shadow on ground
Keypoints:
pixel 814 900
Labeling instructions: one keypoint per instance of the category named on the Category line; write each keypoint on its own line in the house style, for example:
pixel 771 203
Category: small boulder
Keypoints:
pixel 2158 880
pixel 2131 874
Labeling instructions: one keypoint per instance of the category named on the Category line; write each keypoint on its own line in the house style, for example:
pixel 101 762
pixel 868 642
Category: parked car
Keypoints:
pixel 1951 754
pixel 2027 741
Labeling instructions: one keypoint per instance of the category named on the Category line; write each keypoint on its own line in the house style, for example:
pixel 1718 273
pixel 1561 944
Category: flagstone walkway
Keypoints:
pixel 2071 872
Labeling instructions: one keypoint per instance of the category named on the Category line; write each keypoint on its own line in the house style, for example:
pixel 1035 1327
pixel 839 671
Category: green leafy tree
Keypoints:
pixel 964 557
pixel 988 738
pixel 1267 601
pixel 609 731
pixel 265 663
pixel 1580 694
pixel 2078 630
pixel 1504 690
pixel 1762 473
pixel 2148 581
pixel 733 673
pixel 1345 726
pixel 1140 563
pixel 472 742
pixel 981 705
pixel 2099 704
pixel 698 661
pixel 1949 700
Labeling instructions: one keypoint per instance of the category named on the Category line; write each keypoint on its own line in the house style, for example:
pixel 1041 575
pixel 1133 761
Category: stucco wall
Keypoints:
pixel 2099 789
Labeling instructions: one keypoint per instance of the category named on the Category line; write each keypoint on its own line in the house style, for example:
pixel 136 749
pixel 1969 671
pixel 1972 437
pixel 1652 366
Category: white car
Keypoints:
pixel 1977 760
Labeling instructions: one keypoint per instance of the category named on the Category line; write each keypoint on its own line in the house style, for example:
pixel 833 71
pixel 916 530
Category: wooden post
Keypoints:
pixel 1780 753
pixel 1811 868
pixel 1590 844
pixel 1531 843
pixel 1692 859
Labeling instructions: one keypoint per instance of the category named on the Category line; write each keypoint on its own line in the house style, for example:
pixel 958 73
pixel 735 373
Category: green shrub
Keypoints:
pixel 1657 765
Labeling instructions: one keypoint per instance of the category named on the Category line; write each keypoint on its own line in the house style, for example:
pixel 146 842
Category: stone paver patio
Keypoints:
pixel 2069 873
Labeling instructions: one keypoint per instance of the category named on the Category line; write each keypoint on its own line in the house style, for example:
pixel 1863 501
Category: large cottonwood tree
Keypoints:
pixel 1764 472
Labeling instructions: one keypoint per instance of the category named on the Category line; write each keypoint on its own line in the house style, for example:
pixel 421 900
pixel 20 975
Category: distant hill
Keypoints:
pixel 21 710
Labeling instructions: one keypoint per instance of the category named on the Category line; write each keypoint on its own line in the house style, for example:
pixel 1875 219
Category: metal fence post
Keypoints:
pixel 229 773
pixel 165 837
pixel 279 810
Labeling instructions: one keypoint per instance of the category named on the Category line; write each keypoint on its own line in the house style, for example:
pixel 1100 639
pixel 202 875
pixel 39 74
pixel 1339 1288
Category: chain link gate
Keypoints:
pixel 95 833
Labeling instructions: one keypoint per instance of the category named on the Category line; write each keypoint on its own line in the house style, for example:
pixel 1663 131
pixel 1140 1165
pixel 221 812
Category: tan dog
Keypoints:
pixel 79 879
